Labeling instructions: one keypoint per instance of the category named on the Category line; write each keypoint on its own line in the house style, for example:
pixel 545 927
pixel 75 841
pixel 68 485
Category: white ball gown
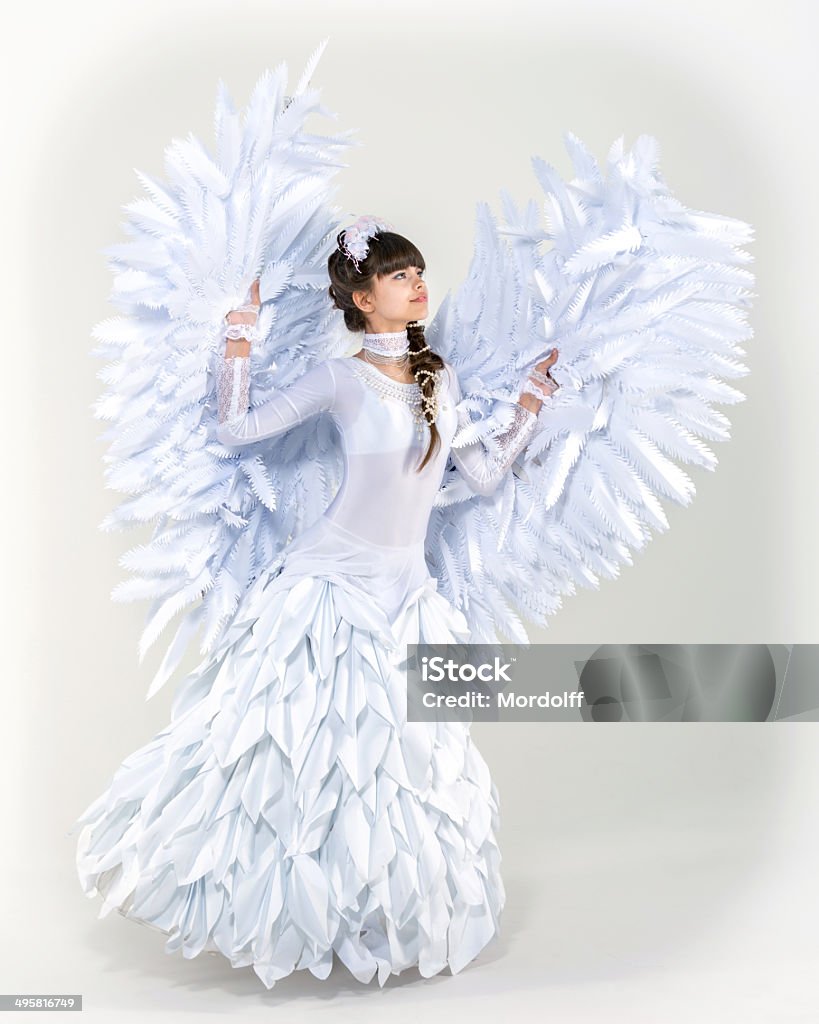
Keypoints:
pixel 289 811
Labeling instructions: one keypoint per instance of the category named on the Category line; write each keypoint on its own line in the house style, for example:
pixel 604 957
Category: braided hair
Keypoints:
pixel 388 253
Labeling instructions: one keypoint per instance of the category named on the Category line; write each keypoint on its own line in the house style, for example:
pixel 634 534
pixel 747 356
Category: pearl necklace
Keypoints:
pixel 410 394
pixel 391 348
pixel 399 362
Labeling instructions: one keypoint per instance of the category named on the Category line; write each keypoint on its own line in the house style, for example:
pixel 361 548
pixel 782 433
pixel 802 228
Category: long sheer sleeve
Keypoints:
pixel 484 463
pixel 312 393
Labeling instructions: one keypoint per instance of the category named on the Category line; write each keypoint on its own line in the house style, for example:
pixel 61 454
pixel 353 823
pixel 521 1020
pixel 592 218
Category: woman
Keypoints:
pixel 290 810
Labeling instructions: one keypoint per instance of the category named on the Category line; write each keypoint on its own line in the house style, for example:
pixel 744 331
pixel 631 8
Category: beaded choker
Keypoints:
pixel 389 343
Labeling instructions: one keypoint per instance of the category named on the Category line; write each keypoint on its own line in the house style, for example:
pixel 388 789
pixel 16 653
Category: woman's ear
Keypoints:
pixel 363 301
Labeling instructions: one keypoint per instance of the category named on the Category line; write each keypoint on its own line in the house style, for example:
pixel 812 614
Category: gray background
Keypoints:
pixel 653 872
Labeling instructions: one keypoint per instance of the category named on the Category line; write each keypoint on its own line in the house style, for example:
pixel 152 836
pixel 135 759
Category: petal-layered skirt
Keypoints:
pixel 289 810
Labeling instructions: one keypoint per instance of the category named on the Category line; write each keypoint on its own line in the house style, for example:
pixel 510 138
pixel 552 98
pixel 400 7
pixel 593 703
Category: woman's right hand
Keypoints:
pixel 241 346
pixel 236 317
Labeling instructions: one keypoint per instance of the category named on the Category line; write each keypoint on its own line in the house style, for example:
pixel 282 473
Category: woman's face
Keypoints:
pixel 394 300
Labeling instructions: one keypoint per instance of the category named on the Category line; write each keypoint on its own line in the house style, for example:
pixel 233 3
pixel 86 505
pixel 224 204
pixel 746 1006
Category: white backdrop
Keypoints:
pixel 654 872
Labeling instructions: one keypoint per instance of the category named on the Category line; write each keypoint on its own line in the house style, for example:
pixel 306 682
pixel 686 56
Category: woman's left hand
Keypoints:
pixel 527 399
pixel 550 360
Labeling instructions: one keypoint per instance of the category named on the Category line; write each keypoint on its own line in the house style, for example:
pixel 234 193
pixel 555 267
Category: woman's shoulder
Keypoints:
pixel 447 371
pixel 340 364
pixel 346 363
pixel 351 369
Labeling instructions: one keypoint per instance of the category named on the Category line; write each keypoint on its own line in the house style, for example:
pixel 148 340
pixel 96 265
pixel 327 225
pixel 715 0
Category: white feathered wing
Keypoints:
pixel 646 302
pixel 257 207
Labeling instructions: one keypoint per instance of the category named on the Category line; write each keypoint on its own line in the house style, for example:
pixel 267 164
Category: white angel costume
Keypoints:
pixel 289 812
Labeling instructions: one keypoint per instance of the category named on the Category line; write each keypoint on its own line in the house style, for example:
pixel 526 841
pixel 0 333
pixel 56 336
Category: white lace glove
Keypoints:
pixel 233 379
pixel 541 385
pixel 240 323
pixel 540 381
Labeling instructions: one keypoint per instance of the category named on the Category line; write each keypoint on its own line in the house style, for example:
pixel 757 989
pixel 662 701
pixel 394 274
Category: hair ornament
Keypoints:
pixel 354 243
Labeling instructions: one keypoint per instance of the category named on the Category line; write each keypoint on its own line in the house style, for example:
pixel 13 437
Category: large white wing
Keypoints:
pixel 646 301
pixel 257 206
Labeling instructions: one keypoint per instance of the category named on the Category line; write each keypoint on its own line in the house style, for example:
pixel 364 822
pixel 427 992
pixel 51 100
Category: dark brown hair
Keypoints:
pixel 388 252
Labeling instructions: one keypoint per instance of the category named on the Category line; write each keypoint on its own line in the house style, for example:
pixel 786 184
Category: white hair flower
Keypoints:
pixel 354 244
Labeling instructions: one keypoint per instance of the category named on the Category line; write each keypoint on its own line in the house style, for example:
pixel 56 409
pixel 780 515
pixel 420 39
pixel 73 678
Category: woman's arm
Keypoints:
pixel 237 423
pixel 483 467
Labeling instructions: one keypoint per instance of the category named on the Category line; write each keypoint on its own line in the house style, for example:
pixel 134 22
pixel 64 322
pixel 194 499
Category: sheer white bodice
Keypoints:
pixel 382 498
